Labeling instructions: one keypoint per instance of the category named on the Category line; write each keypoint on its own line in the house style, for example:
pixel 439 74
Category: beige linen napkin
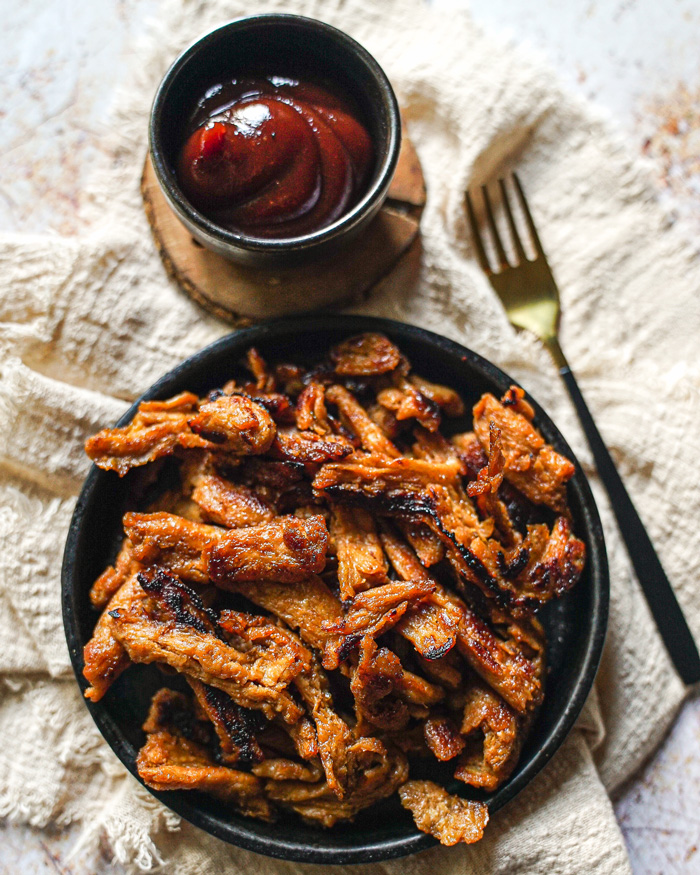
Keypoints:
pixel 87 323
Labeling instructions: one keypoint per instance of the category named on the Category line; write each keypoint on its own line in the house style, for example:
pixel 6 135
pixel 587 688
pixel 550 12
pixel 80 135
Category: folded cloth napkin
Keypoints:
pixel 88 322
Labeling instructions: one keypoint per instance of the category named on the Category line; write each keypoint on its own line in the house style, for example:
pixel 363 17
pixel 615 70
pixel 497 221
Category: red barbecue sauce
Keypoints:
pixel 274 157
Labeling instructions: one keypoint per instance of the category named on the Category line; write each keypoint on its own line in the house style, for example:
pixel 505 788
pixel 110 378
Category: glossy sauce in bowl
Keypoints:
pixel 274 156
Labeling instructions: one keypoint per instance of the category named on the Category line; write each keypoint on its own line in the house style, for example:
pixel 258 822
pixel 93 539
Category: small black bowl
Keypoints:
pixel 575 624
pixel 275 44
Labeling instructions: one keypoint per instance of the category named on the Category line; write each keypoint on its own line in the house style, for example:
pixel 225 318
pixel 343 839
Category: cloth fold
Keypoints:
pixel 87 323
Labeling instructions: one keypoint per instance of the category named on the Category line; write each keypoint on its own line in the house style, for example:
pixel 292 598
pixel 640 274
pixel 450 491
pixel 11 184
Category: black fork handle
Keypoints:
pixel 656 587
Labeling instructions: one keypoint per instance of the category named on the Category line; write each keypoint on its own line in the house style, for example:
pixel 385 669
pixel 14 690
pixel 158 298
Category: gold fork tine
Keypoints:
pixel 476 236
pixel 500 251
pixel 517 243
pixel 528 217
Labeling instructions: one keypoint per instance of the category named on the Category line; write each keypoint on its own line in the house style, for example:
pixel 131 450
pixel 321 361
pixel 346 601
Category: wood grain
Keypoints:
pixel 241 294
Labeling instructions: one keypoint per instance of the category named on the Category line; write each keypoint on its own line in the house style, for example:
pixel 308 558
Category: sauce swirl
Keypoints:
pixel 274 157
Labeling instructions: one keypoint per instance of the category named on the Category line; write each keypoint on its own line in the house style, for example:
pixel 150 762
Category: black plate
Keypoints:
pixel 575 624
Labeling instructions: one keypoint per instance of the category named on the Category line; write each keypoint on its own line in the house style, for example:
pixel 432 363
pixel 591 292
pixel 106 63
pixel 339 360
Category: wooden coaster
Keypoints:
pixel 241 294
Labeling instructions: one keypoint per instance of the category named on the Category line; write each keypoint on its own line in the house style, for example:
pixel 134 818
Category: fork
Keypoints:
pixel 531 299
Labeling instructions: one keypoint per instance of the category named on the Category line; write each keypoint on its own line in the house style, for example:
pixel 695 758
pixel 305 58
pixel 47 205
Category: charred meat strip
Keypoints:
pixel 174 628
pixel 365 355
pixel 104 656
pixel 228 504
pixel 171 760
pixel 361 562
pixel 530 464
pixel 447 818
pixel 494 738
pixel 235 726
pixel 286 550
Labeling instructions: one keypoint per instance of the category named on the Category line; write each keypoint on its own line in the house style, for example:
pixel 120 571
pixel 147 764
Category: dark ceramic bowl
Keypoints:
pixel 281 45
pixel 575 624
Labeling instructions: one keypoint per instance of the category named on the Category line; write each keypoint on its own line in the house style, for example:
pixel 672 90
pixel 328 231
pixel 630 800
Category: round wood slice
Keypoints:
pixel 241 294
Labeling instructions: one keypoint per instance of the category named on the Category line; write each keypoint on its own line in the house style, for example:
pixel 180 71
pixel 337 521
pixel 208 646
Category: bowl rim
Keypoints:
pixel 382 849
pixel 237 240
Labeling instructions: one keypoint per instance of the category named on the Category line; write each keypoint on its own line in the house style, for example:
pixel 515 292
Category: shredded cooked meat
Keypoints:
pixel 286 549
pixel 308 447
pixel 104 657
pixel 530 464
pixel 493 737
pixel 231 423
pixel 235 726
pixel 361 561
pixel 114 576
pixel 443 737
pixel 230 504
pixel 234 424
pixel 343 588
pixel 254 665
pixel 171 759
pixel 365 355
pixel 447 818
pixel 378 775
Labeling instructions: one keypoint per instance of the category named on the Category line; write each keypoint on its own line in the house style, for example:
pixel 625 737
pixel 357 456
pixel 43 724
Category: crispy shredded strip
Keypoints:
pixel 507 671
pixel 228 504
pixel 286 549
pixel 530 464
pixel 332 733
pixel 447 818
pixel 494 738
pixel 175 757
pixel 377 775
pixel 234 424
pixel 174 628
pixel 235 726
pixel 355 418
pixel 365 355
pixel 104 656
pixel 114 576
pixel 308 447
pixel 361 561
